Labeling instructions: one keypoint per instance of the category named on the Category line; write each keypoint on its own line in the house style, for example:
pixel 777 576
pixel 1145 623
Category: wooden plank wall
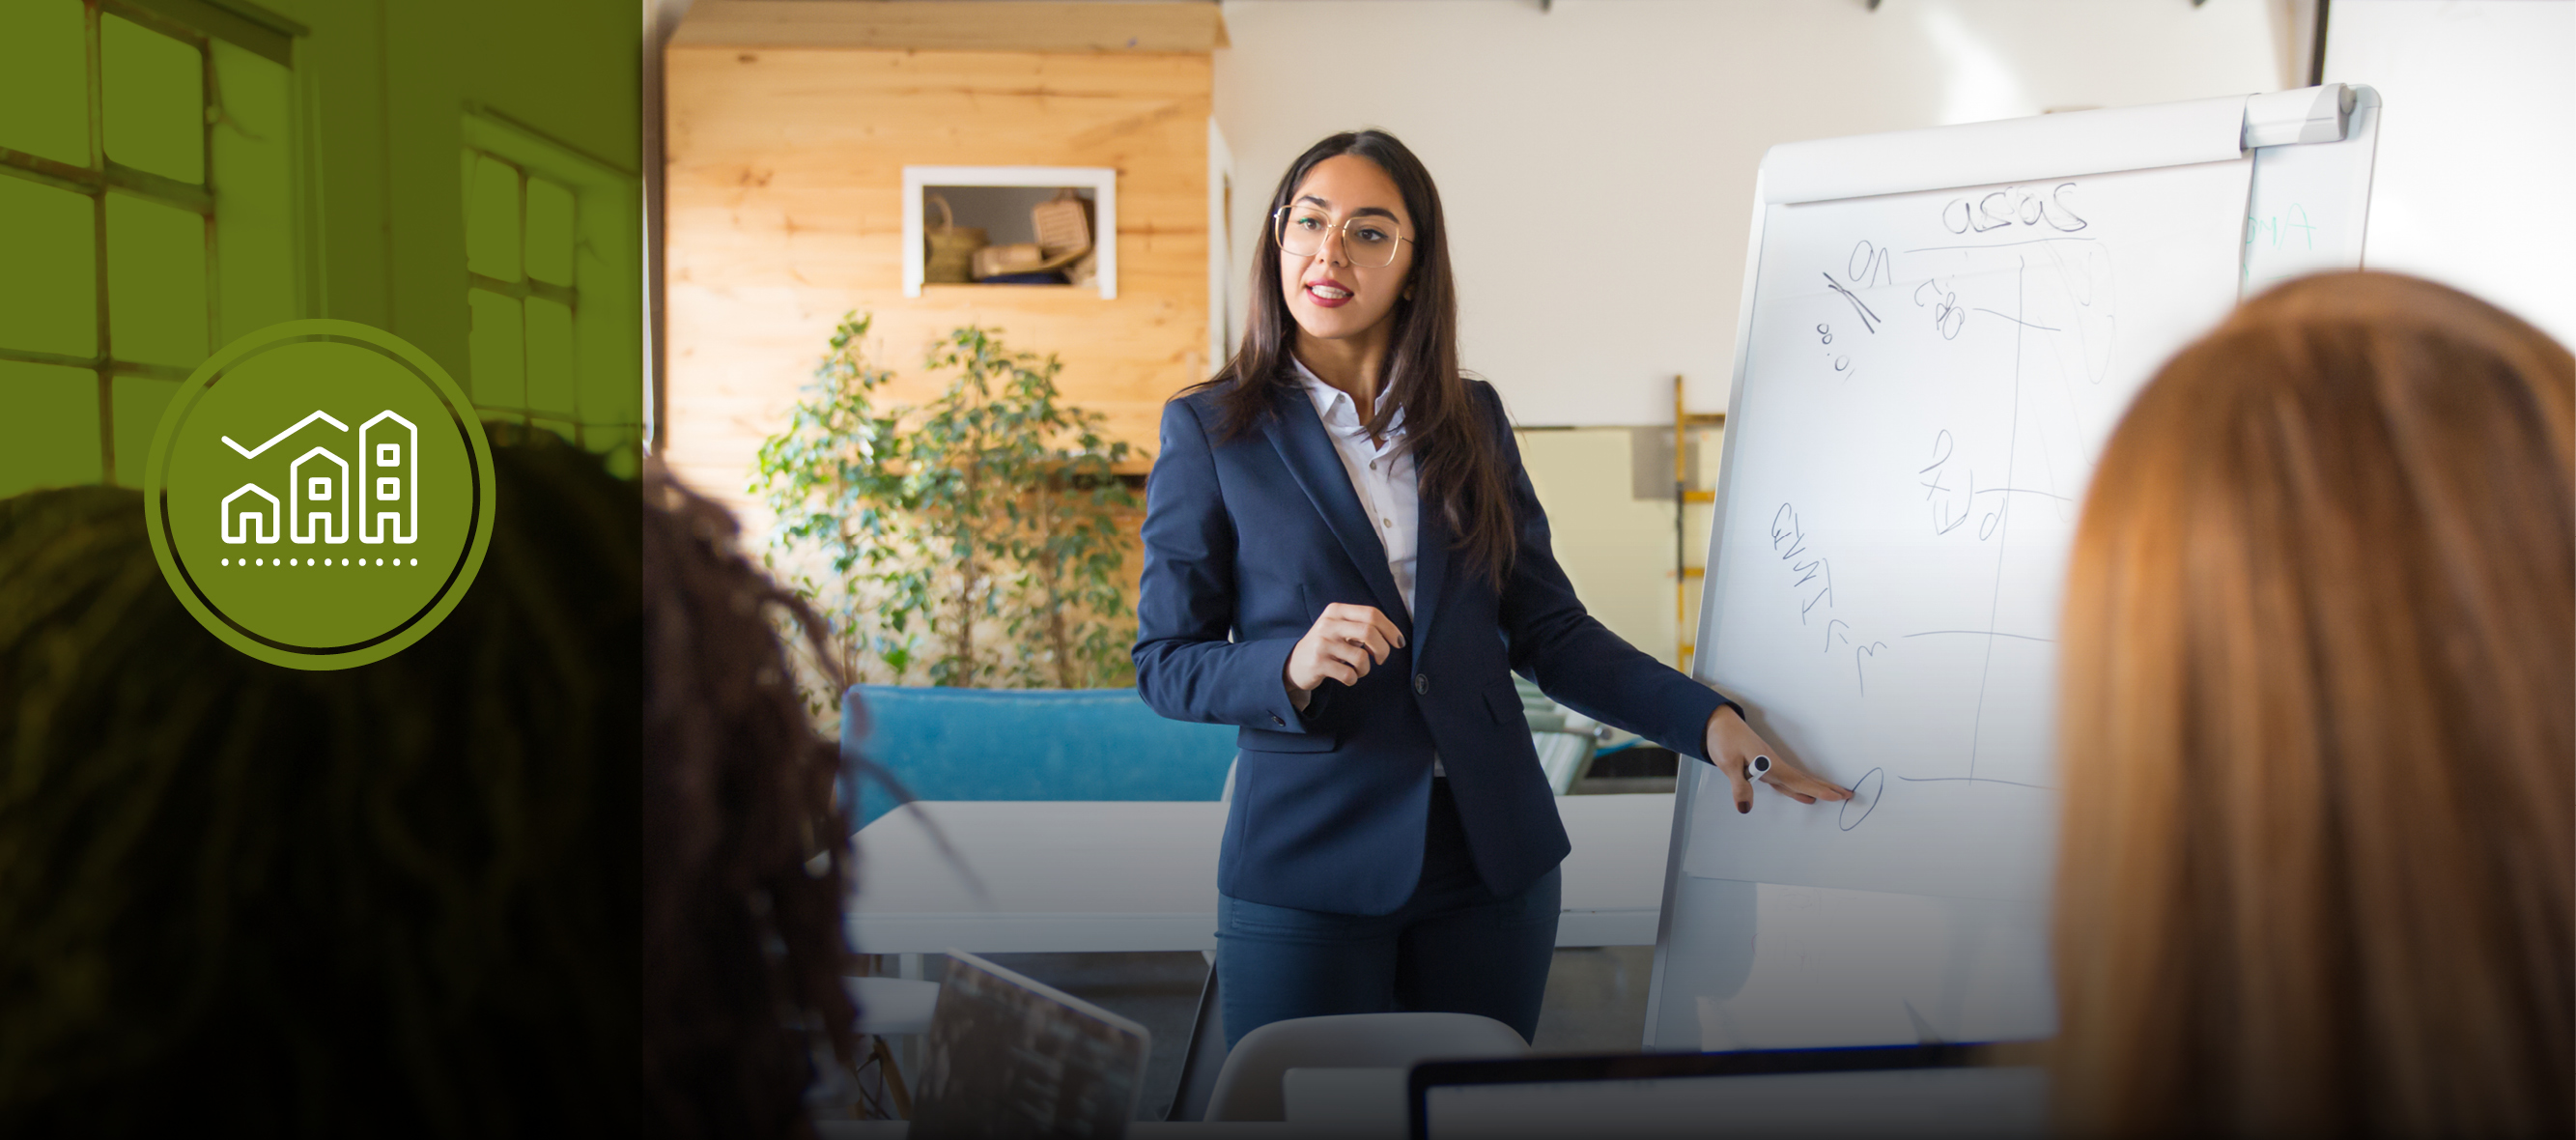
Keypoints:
pixel 784 211
pixel 940 25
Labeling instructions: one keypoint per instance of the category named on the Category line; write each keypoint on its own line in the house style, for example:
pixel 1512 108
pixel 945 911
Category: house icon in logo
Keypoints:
pixel 310 482
pixel 249 525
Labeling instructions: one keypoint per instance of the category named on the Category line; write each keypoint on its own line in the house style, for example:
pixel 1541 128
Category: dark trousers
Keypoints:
pixel 1454 947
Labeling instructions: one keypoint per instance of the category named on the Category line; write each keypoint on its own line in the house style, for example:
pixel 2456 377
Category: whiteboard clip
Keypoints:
pixel 2307 115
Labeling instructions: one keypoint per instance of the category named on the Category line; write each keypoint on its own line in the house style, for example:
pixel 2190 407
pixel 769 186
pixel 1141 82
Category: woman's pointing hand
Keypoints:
pixel 1733 745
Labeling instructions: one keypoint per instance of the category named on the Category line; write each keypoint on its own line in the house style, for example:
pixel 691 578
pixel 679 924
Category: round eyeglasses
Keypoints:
pixel 1368 240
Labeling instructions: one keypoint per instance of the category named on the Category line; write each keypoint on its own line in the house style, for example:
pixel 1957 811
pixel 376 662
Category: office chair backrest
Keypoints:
pixel 1248 1088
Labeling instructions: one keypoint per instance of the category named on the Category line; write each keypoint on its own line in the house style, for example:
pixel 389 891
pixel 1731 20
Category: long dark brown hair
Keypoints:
pixel 2317 872
pixel 1457 456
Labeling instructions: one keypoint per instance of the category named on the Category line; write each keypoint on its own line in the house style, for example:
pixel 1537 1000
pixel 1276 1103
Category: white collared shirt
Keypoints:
pixel 1383 474
pixel 1381 471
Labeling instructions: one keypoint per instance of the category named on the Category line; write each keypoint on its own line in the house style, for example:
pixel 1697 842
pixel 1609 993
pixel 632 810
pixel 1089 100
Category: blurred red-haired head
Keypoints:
pixel 2320 659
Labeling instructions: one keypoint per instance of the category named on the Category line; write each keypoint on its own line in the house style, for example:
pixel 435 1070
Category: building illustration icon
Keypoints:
pixel 388 474
pixel 309 482
pixel 323 500
pixel 249 525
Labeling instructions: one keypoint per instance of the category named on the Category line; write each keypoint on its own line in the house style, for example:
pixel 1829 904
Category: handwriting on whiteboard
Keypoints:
pixel 1811 576
pixel 2014 206
pixel 2036 275
pixel 1928 380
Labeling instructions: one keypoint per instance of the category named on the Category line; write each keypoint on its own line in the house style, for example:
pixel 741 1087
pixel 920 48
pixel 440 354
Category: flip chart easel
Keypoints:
pixel 1939 330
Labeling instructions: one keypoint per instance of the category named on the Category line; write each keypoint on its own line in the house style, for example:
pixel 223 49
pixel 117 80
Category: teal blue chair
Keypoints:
pixel 1027 744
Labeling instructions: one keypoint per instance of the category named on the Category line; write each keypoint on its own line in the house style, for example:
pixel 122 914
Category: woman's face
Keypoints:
pixel 1332 292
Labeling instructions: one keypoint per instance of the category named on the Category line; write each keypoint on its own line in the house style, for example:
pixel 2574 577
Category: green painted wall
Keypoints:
pixel 175 173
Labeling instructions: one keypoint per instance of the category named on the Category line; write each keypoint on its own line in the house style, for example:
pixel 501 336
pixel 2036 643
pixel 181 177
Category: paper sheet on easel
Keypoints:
pixel 1845 967
pixel 1930 379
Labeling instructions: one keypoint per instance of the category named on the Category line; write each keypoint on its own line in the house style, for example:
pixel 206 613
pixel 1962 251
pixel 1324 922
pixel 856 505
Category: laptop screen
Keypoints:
pixel 1935 1091
pixel 1007 1056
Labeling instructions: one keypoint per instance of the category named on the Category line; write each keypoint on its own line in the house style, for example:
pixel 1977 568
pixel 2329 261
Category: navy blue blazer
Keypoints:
pixel 1246 541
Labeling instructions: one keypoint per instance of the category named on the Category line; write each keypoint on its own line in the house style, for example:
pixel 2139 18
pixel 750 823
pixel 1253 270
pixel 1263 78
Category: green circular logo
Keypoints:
pixel 319 494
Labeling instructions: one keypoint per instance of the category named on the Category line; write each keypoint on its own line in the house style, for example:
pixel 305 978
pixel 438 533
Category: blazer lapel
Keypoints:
pixel 1308 451
pixel 1430 570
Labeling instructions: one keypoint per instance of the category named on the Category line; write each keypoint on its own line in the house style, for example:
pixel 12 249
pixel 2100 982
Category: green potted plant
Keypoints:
pixel 972 541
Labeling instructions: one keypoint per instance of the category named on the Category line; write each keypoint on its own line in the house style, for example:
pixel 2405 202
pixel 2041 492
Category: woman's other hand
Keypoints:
pixel 1342 646
pixel 1732 745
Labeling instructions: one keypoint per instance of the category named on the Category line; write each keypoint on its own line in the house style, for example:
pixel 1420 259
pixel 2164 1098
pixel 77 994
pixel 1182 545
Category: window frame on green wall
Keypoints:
pixel 103 179
pixel 607 337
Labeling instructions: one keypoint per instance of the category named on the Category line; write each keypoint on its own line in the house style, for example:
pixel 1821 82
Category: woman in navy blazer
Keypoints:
pixel 1355 599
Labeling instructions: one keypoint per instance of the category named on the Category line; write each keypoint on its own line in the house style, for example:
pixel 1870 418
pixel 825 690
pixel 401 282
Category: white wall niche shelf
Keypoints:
pixel 1102 181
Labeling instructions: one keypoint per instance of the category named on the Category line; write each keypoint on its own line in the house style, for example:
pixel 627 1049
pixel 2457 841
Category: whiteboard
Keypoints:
pixel 1926 375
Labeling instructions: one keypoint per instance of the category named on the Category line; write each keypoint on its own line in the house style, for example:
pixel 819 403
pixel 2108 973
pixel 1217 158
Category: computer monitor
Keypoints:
pixel 1008 1056
pixel 1896 1091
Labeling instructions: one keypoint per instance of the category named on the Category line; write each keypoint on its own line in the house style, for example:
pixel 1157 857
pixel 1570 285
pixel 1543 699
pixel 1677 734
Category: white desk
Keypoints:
pixel 1091 876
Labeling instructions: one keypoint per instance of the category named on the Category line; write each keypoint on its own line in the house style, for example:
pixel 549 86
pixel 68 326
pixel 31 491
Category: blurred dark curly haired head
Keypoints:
pixel 394 900
pixel 746 851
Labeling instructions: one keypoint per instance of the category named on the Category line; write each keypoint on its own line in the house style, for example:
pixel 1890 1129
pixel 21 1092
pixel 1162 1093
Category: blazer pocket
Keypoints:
pixel 1264 740
pixel 1503 703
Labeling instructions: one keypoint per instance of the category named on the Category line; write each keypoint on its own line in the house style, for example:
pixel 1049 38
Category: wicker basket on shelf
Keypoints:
pixel 1063 224
pixel 951 248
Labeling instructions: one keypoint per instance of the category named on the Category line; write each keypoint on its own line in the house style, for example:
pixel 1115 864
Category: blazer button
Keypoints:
pixel 1274 719
pixel 1422 682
